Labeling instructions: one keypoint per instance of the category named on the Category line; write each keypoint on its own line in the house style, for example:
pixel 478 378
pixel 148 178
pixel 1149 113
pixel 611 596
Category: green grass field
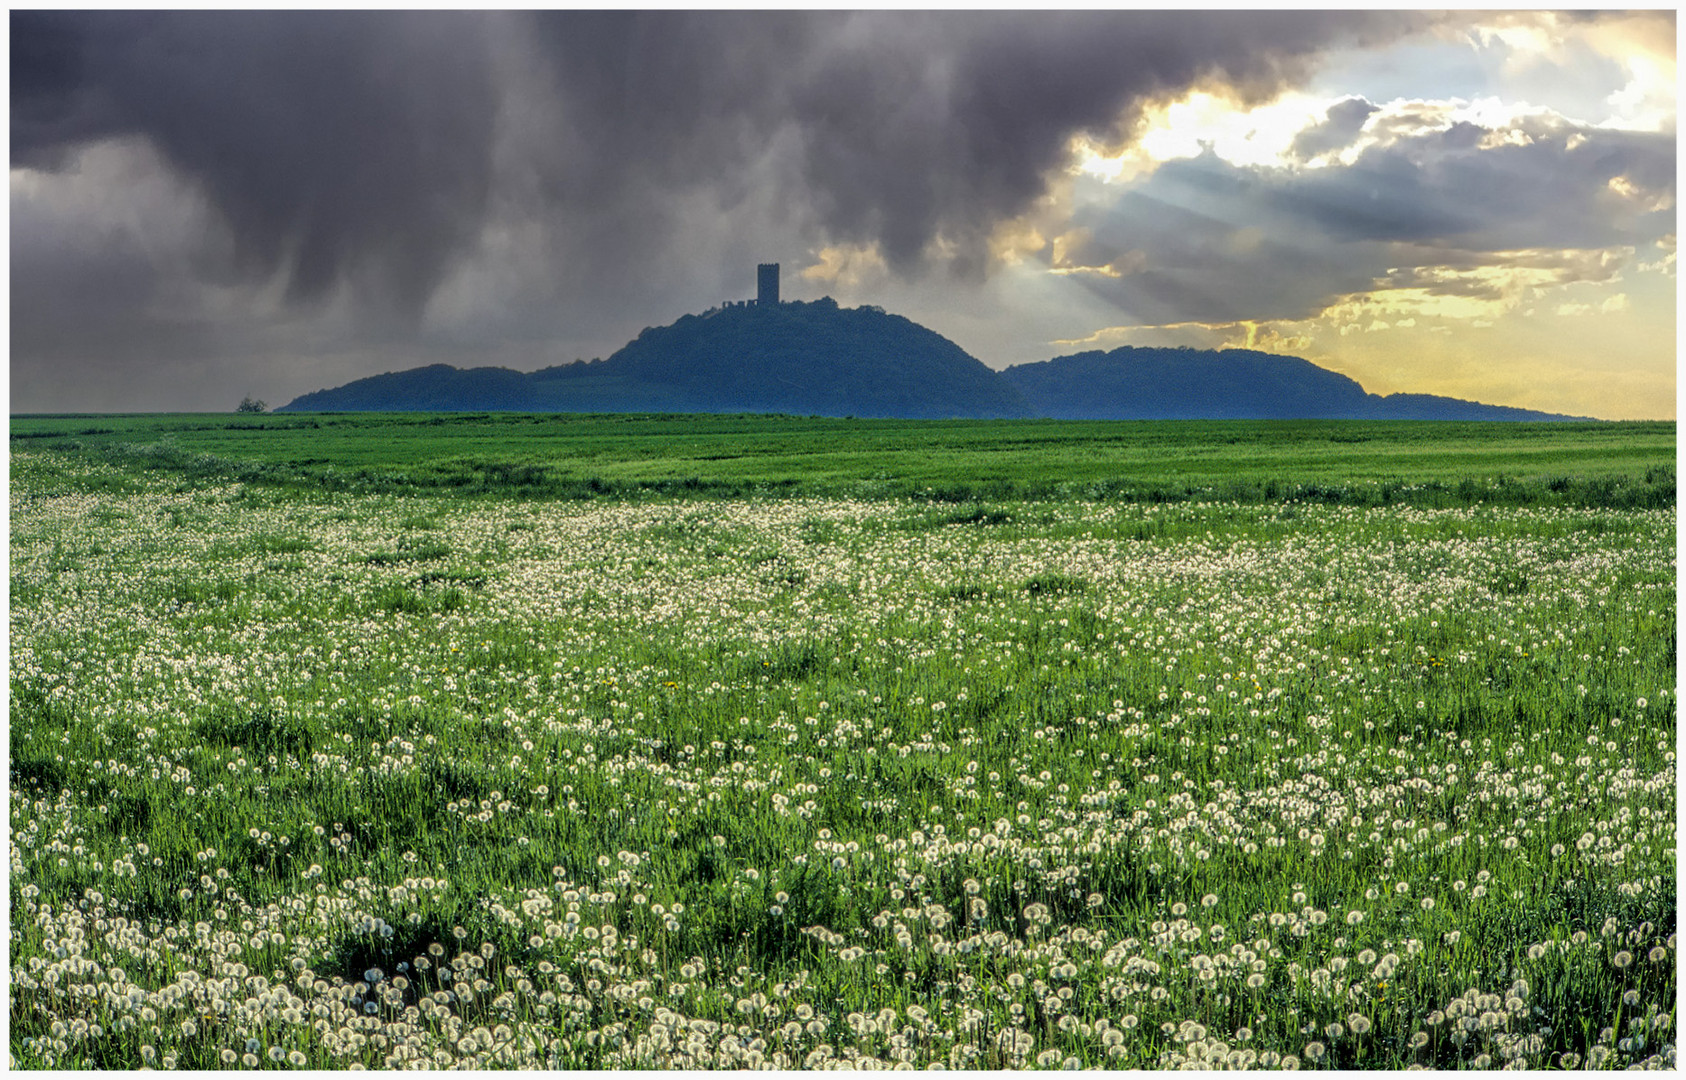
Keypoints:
pixel 780 742
pixel 533 455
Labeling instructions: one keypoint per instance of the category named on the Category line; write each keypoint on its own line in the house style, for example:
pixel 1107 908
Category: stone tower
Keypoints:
pixel 767 283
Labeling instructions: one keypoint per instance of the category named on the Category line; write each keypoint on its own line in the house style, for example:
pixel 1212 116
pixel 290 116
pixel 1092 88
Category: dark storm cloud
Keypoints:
pixel 1340 127
pixel 981 107
pixel 1216 242
pixel 364 148
pixel 336 146
pixel 1551 190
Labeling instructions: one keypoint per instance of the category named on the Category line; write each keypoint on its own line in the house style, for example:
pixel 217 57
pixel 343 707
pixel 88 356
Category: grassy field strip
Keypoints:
pixel 321 778
pixel 699 455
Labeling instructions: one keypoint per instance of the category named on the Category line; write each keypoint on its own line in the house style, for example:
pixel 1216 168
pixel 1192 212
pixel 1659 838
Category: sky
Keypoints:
pixel 210 205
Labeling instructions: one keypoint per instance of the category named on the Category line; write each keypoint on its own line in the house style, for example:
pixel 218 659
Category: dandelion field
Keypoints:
pixel 312 777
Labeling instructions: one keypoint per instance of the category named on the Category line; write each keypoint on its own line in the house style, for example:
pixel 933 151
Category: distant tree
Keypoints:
pixel 248 404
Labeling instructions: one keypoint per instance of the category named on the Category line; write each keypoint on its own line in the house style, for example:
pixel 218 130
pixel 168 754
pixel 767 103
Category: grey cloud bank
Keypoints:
pixel 1221 243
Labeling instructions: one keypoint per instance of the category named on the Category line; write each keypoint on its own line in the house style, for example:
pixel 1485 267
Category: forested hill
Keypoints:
pixel 819 359
pixel 807 358
pixel 1232 384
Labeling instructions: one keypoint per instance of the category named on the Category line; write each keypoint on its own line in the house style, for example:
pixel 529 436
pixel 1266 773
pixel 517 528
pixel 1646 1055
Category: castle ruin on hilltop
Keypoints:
pixel 766 288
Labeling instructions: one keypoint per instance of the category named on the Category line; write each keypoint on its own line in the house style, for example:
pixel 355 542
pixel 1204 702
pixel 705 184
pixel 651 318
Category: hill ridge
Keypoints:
pixel 1150 383
pixel 817 358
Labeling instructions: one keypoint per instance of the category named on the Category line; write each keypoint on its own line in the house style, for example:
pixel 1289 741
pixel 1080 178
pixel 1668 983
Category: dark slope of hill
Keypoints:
pixel 437 387
pixel 791 357
pixel 1434 407
pixel 814 358
pixel 1131 383
pixel 1184 384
